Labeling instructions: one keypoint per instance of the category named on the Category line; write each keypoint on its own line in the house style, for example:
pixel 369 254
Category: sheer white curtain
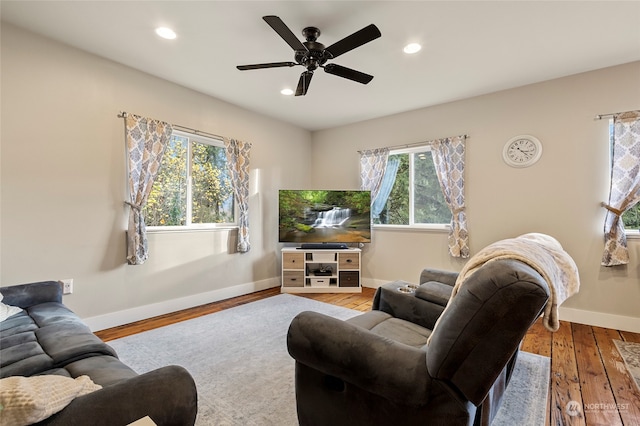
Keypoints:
pixel 238 165
pixel 625 186
pixel 384 190
pixel 373 173
pixel 448 157
pixel 373 163
pixel 146 141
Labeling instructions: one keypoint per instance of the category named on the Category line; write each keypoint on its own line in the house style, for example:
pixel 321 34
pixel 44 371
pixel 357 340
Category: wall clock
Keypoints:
pixel 522 151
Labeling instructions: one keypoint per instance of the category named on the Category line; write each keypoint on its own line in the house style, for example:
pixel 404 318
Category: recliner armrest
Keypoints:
pixel 357 356
pixel 167 395
pixel 445 277
pixel 435 292
pixel 406 306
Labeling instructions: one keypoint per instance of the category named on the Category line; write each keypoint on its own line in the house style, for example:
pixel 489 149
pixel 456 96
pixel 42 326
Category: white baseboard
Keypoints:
pixel 600 319
pixel 373 283
pixel 114 319
pixel 127 316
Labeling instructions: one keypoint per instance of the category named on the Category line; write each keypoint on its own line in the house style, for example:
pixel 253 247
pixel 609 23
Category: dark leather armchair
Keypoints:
pixel 379 368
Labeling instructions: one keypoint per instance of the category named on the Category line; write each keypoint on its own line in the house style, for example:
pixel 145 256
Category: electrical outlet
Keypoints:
pixel 67 286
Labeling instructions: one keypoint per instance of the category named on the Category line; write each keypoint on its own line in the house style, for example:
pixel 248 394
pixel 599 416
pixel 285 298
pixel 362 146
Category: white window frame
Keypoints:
pixel 194 137
pixel 437 227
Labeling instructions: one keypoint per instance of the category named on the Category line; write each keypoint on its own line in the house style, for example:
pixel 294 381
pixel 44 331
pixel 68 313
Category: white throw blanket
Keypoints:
pixel 544 254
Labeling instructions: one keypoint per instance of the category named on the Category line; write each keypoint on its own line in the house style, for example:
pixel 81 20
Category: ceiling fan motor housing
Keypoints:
pixel 315 54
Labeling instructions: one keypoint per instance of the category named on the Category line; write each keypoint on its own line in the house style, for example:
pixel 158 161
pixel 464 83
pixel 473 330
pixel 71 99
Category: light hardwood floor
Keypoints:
pixel 585 364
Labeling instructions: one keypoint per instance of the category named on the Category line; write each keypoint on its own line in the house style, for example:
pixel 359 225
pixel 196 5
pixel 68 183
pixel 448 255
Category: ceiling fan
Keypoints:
pixel 313 55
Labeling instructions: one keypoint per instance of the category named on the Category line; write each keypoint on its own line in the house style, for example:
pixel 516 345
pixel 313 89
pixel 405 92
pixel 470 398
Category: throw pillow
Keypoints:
pixel 7 310
pixel 27 400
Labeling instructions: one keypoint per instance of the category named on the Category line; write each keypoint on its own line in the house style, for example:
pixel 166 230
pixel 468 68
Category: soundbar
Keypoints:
pixel 323 246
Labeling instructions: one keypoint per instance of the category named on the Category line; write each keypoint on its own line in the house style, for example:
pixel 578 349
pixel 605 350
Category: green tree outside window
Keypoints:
pixel 416 197
pixel 193 185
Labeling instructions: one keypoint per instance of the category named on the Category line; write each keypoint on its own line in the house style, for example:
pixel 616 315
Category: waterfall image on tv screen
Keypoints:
pixel 317 216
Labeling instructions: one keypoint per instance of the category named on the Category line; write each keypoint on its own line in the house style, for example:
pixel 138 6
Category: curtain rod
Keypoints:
pixel 123 114
pixel 410 145
pixel 601 116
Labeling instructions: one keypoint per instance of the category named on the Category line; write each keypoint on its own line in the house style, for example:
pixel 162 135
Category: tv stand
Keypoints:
pixel 321 270
pixel 323 246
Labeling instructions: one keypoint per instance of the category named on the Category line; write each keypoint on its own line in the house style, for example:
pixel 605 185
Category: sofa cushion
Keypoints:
pixel 7 311
pixel 44 337
pixel 24 360
pixel 69 341
pixel 396 329
pixel 17 324
pixel 369 319
pixel 20 352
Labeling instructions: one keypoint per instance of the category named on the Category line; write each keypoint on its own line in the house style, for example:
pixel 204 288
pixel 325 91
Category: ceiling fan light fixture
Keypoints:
pixel 287 92
pixel 412 48
pixel 166 33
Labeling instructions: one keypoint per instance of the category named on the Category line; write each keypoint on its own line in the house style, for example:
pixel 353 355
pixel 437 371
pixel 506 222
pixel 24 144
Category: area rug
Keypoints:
pixel 245 376
pixel 630 353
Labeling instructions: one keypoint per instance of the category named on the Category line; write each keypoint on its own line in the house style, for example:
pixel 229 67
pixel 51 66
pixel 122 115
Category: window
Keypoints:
pixel 193 187
pixel 631 218
pixel 415 198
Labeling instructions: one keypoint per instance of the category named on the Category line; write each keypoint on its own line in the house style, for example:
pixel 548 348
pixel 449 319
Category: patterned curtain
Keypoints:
pixel 373 163
pixel 448 157
pixel 146 140
pixel 238 164
pixel 386 186
pixel 625 186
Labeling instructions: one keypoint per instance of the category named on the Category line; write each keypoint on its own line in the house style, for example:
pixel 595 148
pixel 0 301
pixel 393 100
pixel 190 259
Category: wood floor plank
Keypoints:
pixel 626 394
pixel 537 340
pixel 183 315
pixel 628 336
pixel 598 403
pixel 565 387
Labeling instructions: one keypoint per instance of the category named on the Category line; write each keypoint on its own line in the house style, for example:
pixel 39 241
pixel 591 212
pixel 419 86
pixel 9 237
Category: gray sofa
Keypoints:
pixel 46 338
pixel 379 367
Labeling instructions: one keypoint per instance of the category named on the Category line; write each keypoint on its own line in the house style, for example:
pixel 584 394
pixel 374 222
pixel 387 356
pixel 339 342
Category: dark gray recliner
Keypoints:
pixel 378 369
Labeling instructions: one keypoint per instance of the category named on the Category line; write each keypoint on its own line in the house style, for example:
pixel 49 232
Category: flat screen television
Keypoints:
pixel 314 217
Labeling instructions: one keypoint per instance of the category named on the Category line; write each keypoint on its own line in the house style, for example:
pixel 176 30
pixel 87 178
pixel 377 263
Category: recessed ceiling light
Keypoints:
pixel 287 92
pixel 412 48
pixel 165 32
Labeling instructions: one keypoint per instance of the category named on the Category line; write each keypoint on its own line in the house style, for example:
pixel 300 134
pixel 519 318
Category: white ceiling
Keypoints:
pixel 469 47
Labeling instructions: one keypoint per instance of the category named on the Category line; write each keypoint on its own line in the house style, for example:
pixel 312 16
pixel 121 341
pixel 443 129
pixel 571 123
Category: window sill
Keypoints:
pixel 192 228
pixel 633 235
pixel 412 228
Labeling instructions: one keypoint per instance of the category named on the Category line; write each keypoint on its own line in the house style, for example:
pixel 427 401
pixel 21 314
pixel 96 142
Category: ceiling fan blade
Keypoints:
pixel 269 65
pixel 284 32
pixel 357 39
pixel 345 72
pixel 303 83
